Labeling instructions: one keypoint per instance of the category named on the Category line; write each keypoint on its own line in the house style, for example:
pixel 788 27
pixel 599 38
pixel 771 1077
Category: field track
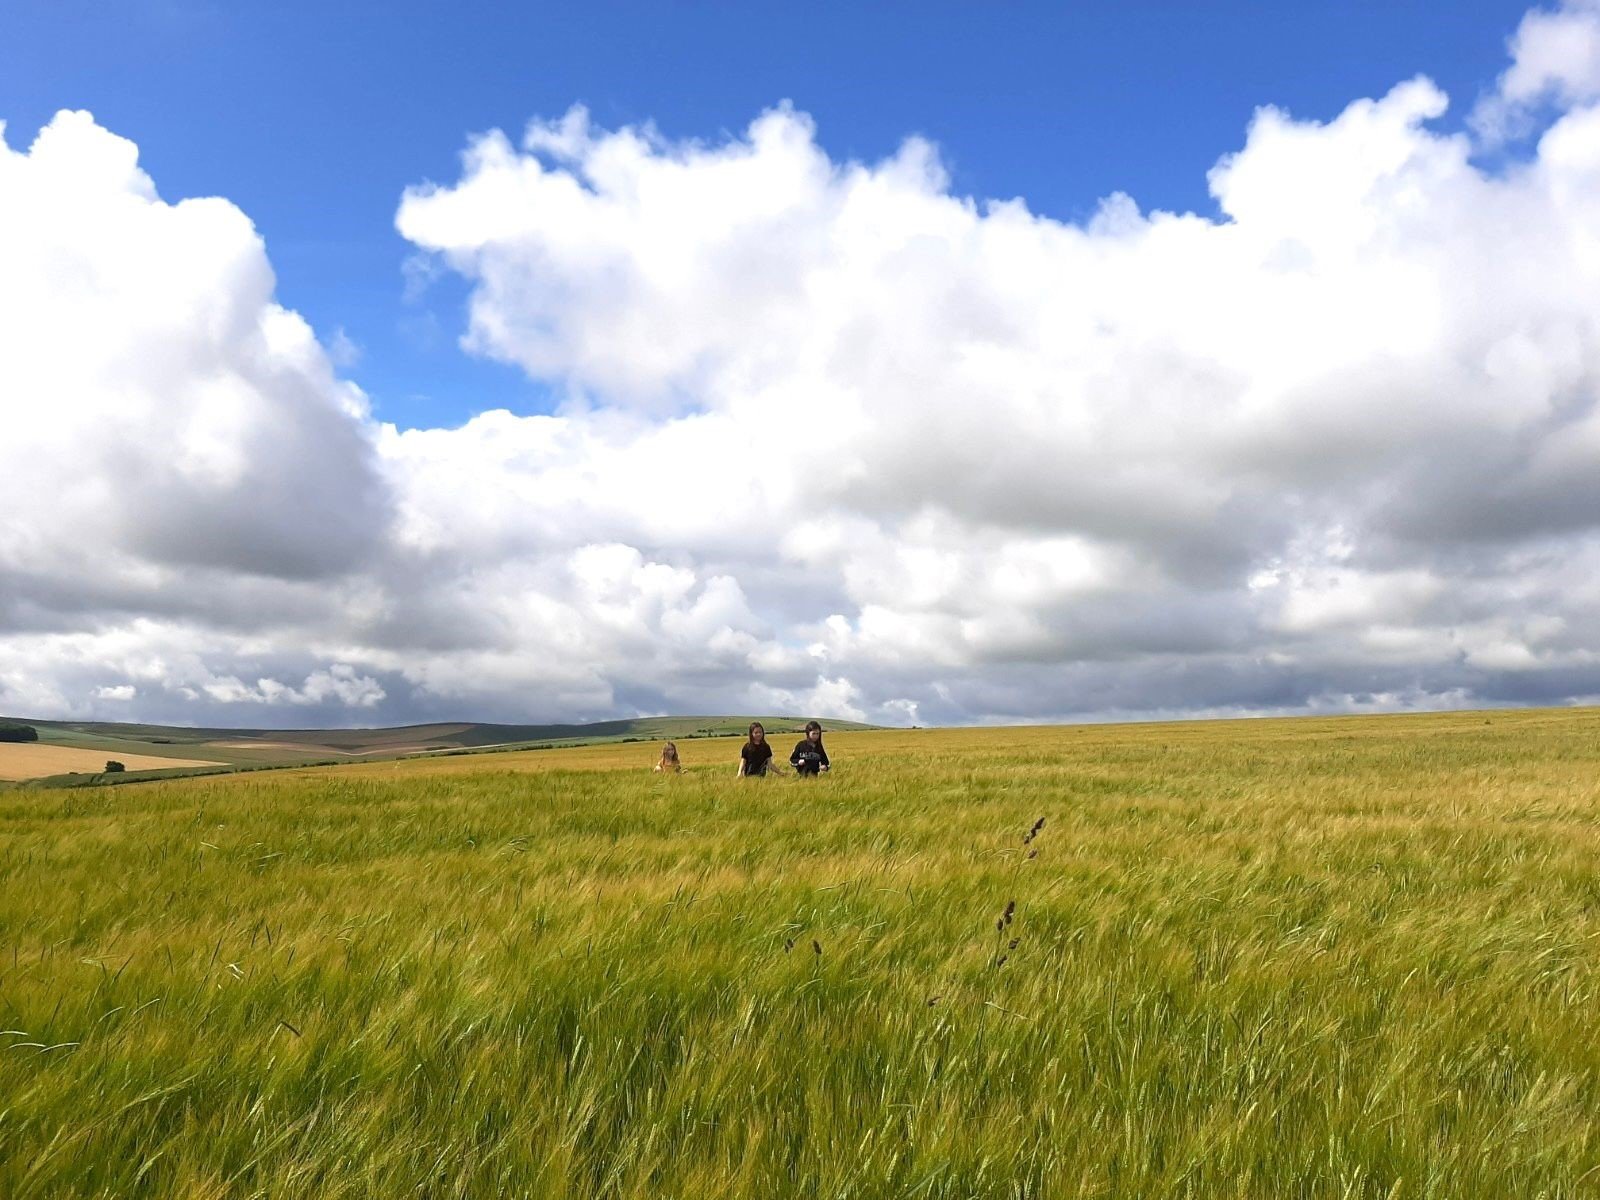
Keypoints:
pixel 1338 958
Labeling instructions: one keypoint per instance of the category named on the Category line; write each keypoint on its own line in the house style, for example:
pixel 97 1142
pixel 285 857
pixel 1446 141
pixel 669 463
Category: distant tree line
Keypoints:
pixel 16 731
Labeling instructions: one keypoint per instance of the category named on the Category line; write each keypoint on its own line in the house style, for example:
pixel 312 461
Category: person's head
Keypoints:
pixel 813 732
pixel 669 755
pixel 757 733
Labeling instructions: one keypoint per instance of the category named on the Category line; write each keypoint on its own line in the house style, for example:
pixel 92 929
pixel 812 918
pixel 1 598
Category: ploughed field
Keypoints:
pixel 1316 958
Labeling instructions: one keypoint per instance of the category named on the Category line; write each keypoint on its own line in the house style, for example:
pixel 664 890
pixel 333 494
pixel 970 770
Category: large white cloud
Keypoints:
pixel 836 438
pixel 174 446
pixel 158 404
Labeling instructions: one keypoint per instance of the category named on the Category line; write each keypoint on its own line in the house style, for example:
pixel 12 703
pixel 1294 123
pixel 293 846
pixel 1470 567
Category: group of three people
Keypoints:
pixel 755 756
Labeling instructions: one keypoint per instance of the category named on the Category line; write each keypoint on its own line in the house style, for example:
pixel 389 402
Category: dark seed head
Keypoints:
pixel 1012 944
pixel 932 1000
pixel 1001 961
pixel 999 924
pixel 1033 854
pixel 788 945
pixel 816 946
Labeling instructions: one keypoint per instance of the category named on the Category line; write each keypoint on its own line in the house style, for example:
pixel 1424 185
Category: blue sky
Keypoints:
pixel 313 118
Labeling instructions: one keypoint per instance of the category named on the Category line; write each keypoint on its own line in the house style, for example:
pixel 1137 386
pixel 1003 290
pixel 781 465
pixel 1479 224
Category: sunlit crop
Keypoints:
pixel 1247 959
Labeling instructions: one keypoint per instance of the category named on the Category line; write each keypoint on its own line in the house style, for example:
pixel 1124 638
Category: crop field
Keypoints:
pixel 1349 957
pixel 30 760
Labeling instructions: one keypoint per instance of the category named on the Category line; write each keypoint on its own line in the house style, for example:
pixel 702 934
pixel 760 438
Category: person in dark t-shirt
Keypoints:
pixel 755 756
pixel 809 758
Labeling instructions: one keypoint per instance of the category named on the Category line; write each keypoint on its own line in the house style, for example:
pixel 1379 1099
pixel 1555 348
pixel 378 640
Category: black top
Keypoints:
pixel 756 757
pixel 809 755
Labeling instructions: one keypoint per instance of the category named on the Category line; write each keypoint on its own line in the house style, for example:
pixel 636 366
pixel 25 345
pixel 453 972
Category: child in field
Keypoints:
pixel 669 764
pixel 755 756
pixel 809 758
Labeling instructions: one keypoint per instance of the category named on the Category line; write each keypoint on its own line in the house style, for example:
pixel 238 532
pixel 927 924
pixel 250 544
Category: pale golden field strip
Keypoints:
pixel 35 760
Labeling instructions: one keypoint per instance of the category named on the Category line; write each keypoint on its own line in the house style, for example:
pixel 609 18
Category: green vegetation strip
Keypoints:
pixel 1312 959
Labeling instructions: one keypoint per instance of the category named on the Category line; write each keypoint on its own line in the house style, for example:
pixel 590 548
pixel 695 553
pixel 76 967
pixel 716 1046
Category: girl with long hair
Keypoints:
pixel 669 764
pixel 755 756
pixel 809 758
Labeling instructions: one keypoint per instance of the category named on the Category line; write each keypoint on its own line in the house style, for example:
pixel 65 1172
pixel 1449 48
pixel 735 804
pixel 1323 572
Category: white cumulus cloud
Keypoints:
pixel 1325 447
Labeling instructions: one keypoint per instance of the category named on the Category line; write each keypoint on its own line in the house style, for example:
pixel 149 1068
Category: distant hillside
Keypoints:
pixel 202 750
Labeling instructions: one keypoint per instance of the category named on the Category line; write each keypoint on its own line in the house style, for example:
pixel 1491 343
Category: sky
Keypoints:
pixel 918 364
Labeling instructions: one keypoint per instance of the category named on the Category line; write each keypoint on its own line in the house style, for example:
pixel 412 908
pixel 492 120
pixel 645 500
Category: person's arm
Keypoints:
pixel 794 755
pixel 824 753
pixel 740 771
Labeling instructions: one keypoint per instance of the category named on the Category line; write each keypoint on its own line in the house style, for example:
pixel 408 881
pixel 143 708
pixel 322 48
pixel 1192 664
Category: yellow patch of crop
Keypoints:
pixel 35 760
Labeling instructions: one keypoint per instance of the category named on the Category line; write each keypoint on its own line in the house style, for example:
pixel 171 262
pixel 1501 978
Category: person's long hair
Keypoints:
pixel 755 725
pixel 669 757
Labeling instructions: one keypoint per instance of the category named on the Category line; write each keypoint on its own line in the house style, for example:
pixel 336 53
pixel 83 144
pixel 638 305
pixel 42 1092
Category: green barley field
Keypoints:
pixel 1313 958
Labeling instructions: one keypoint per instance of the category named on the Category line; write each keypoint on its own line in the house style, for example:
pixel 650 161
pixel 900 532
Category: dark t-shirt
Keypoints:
pixel 756 758
pixel 809 756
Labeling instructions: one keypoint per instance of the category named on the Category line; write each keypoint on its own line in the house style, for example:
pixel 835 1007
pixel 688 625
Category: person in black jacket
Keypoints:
pixel 809 758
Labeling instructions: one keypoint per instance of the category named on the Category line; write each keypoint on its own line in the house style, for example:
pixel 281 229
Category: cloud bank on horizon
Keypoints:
pixel 833 439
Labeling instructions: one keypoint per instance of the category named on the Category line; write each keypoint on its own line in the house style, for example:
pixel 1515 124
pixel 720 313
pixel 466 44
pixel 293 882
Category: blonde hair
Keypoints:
pixel 669 758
